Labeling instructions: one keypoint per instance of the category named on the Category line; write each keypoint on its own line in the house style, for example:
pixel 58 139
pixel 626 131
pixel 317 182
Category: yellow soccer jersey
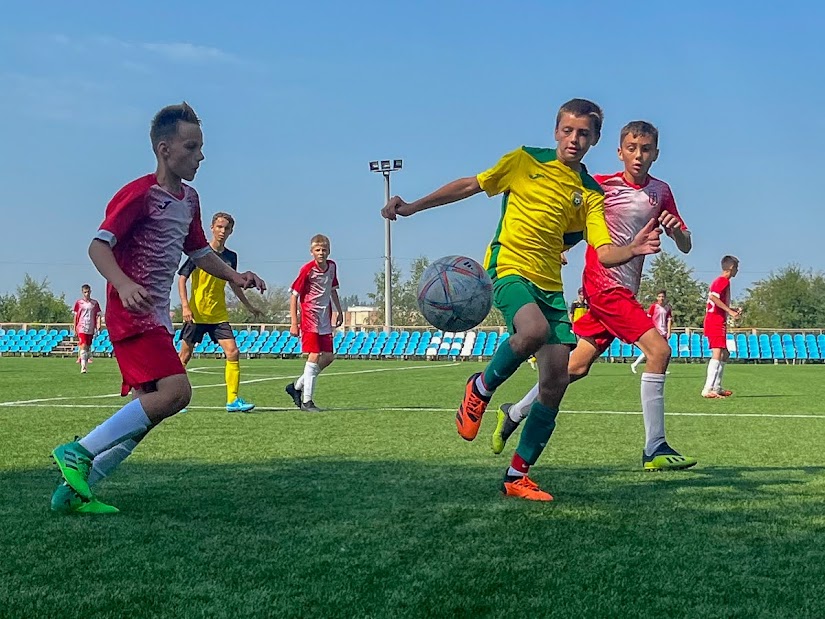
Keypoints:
pixel 546 207
pixel 208 297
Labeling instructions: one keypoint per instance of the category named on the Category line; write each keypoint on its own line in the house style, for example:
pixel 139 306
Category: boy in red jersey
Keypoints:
pixel 86 312
pixel 316 290
pixel 632 198
pixel 148 224
pixel 716 327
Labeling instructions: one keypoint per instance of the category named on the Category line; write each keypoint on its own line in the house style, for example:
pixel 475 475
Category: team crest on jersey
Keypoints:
pixel 577 199
pixel 653 198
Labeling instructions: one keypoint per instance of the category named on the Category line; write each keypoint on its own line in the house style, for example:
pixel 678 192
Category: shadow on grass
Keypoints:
pixel 319 537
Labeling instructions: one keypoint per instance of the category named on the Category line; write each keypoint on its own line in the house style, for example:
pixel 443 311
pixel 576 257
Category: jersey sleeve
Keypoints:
pixel 233 260
pixel 76 307
pixel 188 268
pixel 596 232
pixel 651 309
pixel 499 178
pixel 299 286
pixel 195 244
pixel 125 209
pixel 669 205
pixel 719 286
pixel 334 275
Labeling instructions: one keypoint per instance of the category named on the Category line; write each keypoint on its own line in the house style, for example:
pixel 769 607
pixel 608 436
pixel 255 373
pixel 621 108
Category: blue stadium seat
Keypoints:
pixel 13 332
pixel 615 349
pixel 813 349
pixel 800 348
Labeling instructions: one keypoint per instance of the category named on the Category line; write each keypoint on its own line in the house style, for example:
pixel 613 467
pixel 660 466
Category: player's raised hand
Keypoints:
pixel 648 240
pixel 135 298
pixel 669 222
pixel 248 279
pixel 395 207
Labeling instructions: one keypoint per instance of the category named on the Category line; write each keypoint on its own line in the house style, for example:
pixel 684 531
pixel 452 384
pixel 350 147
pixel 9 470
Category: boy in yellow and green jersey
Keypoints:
pixel 549 202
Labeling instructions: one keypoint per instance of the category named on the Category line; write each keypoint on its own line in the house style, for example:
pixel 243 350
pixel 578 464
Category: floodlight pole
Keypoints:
pixel 387 260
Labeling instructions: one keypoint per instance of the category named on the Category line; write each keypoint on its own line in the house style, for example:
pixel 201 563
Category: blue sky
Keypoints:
pixel 297 98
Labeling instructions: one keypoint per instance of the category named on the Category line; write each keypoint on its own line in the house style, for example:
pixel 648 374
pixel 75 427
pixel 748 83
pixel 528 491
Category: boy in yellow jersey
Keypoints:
pixel 205 312
pixel 548 198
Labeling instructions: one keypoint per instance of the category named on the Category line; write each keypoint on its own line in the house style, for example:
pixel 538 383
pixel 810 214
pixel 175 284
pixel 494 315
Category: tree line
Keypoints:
pixel 790 298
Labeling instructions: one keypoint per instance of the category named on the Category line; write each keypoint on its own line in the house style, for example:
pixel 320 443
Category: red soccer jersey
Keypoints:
pixel 714 315
pixel 660 314
pixel 627 209
pixel 85 316
pixel 148 228
pixel 314 287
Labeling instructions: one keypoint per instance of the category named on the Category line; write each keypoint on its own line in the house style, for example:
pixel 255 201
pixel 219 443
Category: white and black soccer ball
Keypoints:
pixel 455 293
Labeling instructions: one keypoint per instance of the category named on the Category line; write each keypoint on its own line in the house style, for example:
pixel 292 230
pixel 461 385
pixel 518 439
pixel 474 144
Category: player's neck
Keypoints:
pixel 322 265
pixel 170 181
pixel 635 180
pixel 217 245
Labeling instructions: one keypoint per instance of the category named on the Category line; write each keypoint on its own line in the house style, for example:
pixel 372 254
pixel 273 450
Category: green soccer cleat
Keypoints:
pixel 75 464
pixel 66 501
pixel 504 428
pixel 666 458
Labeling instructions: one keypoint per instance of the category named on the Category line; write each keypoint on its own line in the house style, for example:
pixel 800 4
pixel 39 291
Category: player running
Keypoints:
pixel 316 291
pixel 86 313
pixel 148 223
pixel 547 197
pixel 205 311
pixel 632 199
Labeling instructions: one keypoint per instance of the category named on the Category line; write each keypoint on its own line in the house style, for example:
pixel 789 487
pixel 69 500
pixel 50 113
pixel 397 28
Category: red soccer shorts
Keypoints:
pixel 316 343
pixel 85 339
pixel 146 358
pixel 717 335
pixel 614 313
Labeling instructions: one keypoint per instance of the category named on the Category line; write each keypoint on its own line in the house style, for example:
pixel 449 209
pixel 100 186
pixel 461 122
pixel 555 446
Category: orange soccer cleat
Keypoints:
pixel 468 417
pixel 524 488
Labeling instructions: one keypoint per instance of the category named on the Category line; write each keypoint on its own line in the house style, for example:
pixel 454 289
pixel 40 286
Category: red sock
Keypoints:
pixel 519 464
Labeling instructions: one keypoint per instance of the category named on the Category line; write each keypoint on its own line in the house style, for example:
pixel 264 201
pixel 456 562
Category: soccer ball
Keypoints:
pixel 455 293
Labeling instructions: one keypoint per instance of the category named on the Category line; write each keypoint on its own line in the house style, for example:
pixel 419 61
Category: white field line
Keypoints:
pixel 243 382
pixel 404 409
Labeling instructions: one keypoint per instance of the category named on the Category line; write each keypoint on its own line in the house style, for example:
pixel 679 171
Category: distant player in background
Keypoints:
pixel 205 311
pixel 633 198
pixel 579 307
pixel 316 291
pixel 716 328
pixel 662 315
pixel 86 312
pixel 148 224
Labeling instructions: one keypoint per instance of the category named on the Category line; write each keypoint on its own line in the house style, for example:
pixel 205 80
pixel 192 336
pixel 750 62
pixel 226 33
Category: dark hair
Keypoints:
pixel 662 291
pixel 222 215
pixel 728 262
pixel 165 122
pixel 85 287
pixel 583 107
pixel 639 127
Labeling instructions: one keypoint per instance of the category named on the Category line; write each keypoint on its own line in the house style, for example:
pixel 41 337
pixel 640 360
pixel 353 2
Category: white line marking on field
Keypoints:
pixel 243 382
pixel 422 409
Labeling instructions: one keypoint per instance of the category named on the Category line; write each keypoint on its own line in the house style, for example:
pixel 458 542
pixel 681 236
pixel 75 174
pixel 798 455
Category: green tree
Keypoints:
pixel 791 298
pixel 686 294
pixel 350 301
pixel 274 304
pixel 8 307
pixel 36 303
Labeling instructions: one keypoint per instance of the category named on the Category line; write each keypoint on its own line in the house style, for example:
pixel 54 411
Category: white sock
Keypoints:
pixel 653 410
pixel 482 388
pixel 511 472
pixel 713 370
pixel 521 409
pixel 299 384
pixel 84 359
pixel 107 461
pixel 639 359
pixel 311 371
pixel 128 422
pixel 717 382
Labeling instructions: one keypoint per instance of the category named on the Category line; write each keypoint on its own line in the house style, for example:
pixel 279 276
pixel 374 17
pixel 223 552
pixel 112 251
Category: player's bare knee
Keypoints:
pixel 233 355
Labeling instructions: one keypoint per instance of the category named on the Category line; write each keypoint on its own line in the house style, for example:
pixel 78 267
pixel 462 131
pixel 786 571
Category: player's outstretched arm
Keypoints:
pixel 673 228
pixel 645 243
pixel 449 193
pixel 213 265
pixel 730 311
pixel 244 301
pixel 134 297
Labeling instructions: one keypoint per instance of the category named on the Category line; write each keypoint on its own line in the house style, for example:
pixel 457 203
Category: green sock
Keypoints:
pixel 537 431
pixel 502 366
